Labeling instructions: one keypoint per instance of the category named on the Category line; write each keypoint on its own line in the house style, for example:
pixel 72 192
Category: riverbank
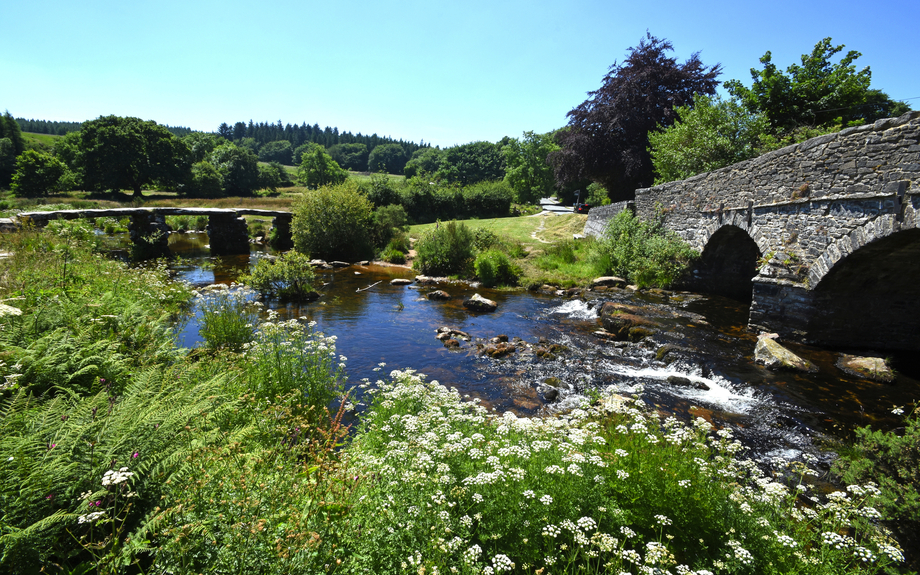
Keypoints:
pixel 121 449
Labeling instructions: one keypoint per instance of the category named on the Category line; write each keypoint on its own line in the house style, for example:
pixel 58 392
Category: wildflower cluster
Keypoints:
pixel 610 489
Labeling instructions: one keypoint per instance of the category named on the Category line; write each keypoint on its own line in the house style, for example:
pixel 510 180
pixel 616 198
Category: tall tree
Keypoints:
pixel 11 145
pixel 129 153
pixel 470 163
pixel 711 134
pixel 606 139
pixel 527 171
pixel 815 93
pixel 388 157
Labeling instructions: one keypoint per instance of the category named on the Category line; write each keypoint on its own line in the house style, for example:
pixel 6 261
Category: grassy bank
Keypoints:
pixel 120 452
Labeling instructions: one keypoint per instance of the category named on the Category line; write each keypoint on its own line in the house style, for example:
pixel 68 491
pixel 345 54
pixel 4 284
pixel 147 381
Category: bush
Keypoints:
pixel 644 253
pixel 334 222
pixel 892 460
pixel 426 201
pixel 393 256
pixel 228 318
pixel 487 199
pixel 318 169
pixel 206 181
pixel 289 277
pixel 493 268
pixel 389 221
pixel 37 174
pixel 445 250
pixel 604 489
pixel 380 190
pixel 597 195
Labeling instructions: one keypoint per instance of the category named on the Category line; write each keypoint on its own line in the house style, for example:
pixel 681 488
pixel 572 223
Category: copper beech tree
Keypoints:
pixel 606 139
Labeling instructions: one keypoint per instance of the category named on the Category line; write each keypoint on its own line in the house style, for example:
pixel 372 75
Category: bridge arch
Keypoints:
pixel 873 293
pixel 727 263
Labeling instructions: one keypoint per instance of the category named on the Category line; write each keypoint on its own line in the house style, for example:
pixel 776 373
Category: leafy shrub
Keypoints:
pixel 334 222
pixel 37 174
pixel 426 201
pixel 228 319
pixel 393 256
pixel 892 460
pixel 389 221
pixel 487 199
pixel 597 195
pixel 380 190
pixel 445 250
pixel 290 356
pixel 317 169
pixel 289 277
pixel 493 268
pixel 206 181
pixel 643 252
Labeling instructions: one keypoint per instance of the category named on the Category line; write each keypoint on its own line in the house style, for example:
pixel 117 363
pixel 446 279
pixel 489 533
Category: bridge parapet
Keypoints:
pixel 813 205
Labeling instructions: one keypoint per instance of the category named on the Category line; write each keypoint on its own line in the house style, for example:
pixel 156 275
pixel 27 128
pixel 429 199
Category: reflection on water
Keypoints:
pixel 710 358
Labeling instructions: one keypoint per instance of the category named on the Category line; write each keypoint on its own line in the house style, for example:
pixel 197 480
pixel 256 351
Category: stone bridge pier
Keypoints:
pixel 149 234
pixel 822 238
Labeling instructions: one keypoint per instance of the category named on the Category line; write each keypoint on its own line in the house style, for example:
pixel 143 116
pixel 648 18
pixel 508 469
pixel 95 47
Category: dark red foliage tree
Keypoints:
pixel 606 139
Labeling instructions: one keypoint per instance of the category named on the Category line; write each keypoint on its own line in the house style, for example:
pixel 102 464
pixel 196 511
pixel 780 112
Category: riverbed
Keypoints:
pixel 705 337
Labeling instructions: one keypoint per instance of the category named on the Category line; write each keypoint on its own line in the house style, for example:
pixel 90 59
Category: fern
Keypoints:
pixel 53 451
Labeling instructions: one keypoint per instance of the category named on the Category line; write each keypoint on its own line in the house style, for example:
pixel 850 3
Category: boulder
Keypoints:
pixel 479 303
pixel 608 281
pixel 340 264
pixel 774 356
pixel 451 343
pixel 438 295
pixel 400 282
pixel 874 368
pixel 424 280
pixel 499 339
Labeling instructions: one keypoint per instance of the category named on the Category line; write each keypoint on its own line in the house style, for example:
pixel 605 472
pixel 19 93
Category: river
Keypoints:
pixel 772 412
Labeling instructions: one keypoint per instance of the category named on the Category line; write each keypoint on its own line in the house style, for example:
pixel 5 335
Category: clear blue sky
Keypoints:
pixel 443 72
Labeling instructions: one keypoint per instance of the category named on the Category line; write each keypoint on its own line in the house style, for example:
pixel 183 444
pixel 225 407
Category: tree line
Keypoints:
pixel 653 120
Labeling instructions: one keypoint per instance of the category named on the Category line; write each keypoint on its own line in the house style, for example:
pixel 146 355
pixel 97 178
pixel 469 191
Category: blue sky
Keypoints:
pixel 443 72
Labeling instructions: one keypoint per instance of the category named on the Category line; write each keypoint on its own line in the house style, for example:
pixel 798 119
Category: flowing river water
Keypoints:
pixel 701 363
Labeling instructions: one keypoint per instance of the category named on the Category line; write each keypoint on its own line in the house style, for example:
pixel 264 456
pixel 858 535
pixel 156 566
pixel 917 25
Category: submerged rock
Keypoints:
pixel 438 295
pixel 623 322
pixel 774 356
pixel 498 350
pixel 449 332
pixel 479 303
pixel 687 382
pixel 874 368
pixel 451 343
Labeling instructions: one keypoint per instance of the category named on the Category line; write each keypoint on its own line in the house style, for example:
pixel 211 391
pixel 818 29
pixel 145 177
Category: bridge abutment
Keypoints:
pixel 282 239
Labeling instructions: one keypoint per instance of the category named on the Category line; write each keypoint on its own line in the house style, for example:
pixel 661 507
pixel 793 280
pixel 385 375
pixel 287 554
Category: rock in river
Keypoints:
pixel 479 303
pixel 874 368
pixel 774 356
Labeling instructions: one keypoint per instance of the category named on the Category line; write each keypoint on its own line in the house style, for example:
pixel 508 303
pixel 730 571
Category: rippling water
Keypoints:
pixel 775 413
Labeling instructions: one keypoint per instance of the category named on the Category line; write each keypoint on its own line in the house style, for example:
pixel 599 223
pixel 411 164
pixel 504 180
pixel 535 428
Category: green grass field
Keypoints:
pixel 532 231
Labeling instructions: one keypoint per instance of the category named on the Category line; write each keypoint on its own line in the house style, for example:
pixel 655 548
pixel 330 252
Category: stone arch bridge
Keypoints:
pixel 227 229
pixel 822 237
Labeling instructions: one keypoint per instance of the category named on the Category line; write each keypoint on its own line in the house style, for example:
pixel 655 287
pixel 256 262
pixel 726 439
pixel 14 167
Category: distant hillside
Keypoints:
pixel 61 128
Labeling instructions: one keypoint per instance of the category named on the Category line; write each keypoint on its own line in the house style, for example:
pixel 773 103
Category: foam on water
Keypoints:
pixel 575 309
pixel 721 392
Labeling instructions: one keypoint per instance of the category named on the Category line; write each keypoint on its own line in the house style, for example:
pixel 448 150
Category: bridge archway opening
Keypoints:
pixel 871 298
pixel 727 265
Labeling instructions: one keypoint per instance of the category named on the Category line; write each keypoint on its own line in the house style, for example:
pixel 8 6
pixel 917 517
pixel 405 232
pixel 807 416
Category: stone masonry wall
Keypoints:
pixel 817 201
pixel 599 216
